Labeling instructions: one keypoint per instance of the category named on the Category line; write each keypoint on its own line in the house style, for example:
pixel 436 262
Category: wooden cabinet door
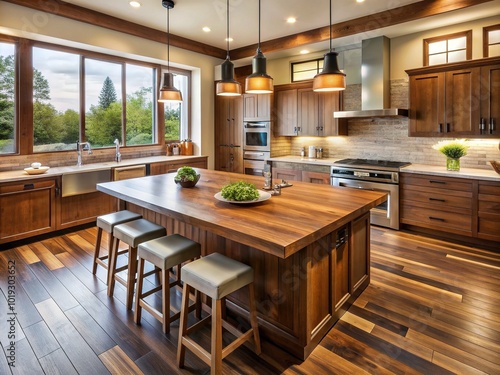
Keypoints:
pixel 359 256
pixel 340 270
pixel 27 209
pixel 490 97
pixel 488 217
pixel 307 112
pixel 330 102
pixel 256 107
pixel 286 174
pixel 316 177
pixel 228 133
pixel 462 102
pixel 286 112
pixel 85 208
pixel 427 105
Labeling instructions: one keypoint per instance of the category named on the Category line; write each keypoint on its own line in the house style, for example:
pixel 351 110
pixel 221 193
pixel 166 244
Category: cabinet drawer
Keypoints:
pixel 35 185
pixel 489 227
pixel 435 219
pixel 437 198
pixel 426 181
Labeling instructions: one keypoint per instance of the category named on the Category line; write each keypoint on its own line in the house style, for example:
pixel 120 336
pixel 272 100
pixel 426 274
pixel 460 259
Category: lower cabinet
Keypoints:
pixel 84 208
pixel 296 172
pixel 316 177
pixel 171 166
pixel 286 174
pixel 28 208
pixel 488 216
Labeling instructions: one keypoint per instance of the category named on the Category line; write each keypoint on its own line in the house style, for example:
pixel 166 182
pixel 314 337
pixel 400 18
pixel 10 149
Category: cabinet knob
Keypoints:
pixel 482 125
pixel 492 125
pixel 440 128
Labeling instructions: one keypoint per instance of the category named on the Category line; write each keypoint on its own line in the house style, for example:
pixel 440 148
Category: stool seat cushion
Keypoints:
pixel 168 251
pixel 108 221
pixel 137 231
pixel 217 275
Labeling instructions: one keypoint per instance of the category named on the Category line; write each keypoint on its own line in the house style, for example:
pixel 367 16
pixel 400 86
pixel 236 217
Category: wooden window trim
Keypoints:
pixel 317 61
pixel 468 44
pixel 486 39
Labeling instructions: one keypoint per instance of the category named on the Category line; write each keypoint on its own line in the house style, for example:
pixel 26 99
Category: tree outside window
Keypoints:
pixel 7 95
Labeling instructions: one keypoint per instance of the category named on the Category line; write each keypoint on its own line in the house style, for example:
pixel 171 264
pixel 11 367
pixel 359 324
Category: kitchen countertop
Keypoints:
pixel 304 160
pixel 21 175
pixel 470 173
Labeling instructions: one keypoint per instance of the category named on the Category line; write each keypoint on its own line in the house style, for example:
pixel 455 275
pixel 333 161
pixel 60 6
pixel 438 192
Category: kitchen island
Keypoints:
pixel 309 246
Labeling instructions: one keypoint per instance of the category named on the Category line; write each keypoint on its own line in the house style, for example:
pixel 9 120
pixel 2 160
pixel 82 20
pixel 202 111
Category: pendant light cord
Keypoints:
pixel 258 45
pixel 168 40
pixel 330 25
pixel 227 27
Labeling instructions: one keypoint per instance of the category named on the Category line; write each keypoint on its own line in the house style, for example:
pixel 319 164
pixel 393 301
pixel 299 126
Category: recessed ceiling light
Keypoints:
pixel 360 1
pixel 291 20
pixel 228 39
pixel 135 4
pixel 304 52
pixel 206 29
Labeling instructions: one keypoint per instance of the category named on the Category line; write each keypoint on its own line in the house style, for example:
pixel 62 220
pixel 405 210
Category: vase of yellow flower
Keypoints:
pixel 453 150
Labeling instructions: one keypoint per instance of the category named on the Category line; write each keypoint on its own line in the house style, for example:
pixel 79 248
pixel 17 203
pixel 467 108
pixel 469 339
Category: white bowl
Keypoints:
pixel 36 165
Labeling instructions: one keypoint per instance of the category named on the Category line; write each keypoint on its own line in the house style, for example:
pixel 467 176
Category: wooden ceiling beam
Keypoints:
pixel 78 13
pixel 390 17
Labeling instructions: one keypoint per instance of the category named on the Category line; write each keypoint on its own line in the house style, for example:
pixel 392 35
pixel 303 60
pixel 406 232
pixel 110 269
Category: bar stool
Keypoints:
pixel 164 253
pixel 216 276
pixel 132 233
pixel 107 223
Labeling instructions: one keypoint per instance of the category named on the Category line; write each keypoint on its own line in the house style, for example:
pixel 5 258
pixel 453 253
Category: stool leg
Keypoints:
pixel 112 267
pixel 216 347
pixel 253 318
pixel 138 292
pixel 132 271
pixel 165 291
pixel 111 242
pixel 181 349
pixel 97 250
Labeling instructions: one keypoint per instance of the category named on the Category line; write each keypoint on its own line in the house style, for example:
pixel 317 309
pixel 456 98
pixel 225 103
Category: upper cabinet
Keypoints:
pixel 299 111
pixel 455 100
pixel 256 107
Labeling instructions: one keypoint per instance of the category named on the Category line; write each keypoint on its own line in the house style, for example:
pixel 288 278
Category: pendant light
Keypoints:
pixel 330 78
pixel 168 92
pixel 259 82
pixel 228 86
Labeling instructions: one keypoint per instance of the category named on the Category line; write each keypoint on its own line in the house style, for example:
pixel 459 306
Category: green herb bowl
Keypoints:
pixel 187 183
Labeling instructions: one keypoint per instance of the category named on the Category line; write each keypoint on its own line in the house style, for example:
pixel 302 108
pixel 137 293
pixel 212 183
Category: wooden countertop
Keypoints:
pixel 280 226
pixel 21 175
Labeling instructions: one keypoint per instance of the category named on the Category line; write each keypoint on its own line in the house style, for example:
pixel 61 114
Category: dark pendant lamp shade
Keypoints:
pixel 168 92
pixel 331 77
pixel 227 86
pixel 259 82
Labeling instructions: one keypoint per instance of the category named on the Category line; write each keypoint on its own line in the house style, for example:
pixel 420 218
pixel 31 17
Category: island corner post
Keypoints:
pixel 309 248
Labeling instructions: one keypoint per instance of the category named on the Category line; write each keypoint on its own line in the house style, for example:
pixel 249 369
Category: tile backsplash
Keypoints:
pixel 386 138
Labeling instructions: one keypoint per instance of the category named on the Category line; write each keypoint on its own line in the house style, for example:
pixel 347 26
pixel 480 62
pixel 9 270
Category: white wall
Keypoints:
pixel 27 23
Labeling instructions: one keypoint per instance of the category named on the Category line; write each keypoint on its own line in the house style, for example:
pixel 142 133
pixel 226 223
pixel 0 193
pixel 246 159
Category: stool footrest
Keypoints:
pixel 198 349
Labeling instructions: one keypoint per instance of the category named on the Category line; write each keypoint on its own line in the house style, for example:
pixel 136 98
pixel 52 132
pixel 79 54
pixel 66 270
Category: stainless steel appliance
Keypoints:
pixel 378 175
pixel 257 136
pixel 254 161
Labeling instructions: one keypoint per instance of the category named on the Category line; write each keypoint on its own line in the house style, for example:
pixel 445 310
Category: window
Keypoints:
pixel 448 48
pixel 491 41
pixel 176 114
pixel 117 101
pixel 302 71
pixel 7 98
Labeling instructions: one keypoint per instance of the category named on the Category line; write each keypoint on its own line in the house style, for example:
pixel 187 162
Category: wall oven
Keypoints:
pixel 372 175
pixel 254 161
pixel 257 136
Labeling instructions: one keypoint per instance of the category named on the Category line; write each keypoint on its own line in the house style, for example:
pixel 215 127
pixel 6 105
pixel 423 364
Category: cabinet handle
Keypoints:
pixel 58 191
pixel 437 200
pixel 29 186
pixel 482 125
pixel 492 125
pixel 440 128
pixel 436 218
pixel 437 182
pixel 447 127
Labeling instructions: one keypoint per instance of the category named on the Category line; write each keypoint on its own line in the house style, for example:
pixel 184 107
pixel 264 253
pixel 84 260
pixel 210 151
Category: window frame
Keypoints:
pixel 24 145
pixel 318 69
pixel 468 44
pixel 486 38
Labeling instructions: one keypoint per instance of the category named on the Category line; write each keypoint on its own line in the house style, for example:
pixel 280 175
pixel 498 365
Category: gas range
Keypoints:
pixel 384 165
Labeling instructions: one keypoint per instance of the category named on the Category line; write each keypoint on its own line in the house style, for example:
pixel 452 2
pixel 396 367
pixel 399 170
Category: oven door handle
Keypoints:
pixel 343 184
pixel 249 153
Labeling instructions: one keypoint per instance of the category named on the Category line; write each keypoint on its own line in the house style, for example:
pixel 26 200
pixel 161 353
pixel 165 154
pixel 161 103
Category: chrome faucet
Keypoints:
pixel 118 156
pixel 82 146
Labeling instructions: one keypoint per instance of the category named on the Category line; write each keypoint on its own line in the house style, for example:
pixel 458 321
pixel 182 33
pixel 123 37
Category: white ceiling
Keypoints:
pixel 188 17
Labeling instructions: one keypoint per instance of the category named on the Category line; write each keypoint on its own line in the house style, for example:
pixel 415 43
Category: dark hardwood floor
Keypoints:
pixel 432 307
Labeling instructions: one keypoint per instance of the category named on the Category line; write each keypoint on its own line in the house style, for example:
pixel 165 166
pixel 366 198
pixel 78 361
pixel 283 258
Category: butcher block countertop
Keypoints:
pixel 281 225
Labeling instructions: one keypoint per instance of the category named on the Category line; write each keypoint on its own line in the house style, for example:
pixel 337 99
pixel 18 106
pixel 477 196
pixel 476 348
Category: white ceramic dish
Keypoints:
pixel 263 196
pixel 40 170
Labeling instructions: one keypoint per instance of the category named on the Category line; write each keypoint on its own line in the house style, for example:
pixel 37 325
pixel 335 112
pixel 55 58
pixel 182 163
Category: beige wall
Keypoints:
pixel 27 23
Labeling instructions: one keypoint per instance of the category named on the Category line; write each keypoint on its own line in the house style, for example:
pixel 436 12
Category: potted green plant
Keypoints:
pixel 453 150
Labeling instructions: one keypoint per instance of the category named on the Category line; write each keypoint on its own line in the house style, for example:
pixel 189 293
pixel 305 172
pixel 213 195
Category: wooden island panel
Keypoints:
pixel 289 241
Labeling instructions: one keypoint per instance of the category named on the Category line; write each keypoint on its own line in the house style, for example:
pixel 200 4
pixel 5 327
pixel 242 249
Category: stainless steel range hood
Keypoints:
pixel 375 82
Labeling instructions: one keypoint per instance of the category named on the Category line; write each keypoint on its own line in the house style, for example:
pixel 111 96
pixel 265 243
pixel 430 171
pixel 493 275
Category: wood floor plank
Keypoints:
pixel 26 361
pixel 53 286
pixel 57 363
pixel 118 363
pixel 4 365
pixel 49 259
pixel 94 283
pixel 27 254
pixel 10 328
pixel 41 339
pixel 80 354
